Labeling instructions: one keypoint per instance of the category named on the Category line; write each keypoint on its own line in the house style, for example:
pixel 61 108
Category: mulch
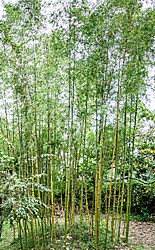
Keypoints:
pixel 142 234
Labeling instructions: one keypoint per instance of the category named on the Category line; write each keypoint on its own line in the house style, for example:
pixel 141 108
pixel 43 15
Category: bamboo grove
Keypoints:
pixel 73 79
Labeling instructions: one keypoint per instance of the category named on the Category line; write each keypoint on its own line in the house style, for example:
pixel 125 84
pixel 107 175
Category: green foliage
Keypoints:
pixel 72 91
pixel 78 237
pixel 142 215
pixel 16 202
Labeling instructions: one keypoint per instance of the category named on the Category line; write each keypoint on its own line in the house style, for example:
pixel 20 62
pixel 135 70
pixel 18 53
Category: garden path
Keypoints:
pixel 142 236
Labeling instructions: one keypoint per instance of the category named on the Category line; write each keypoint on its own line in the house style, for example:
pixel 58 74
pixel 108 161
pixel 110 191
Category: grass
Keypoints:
pixel 7 239
pixel 77 238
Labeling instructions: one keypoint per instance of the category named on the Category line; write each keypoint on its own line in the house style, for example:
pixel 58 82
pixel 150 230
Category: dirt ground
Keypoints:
pixel 142 236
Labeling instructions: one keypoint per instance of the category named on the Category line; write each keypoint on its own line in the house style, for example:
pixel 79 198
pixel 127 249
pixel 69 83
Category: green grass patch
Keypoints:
pixel 7 239
pixel 78 237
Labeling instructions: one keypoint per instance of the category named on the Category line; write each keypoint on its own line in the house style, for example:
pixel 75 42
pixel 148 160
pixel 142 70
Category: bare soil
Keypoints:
pixel 142 236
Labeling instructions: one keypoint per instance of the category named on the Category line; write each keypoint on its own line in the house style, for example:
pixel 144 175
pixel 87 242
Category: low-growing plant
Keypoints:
pixel 16 203
pixel 78 237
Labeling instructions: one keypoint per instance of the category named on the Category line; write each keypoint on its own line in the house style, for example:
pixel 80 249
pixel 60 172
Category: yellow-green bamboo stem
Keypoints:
pixel 131 168
pixel 32 232
pixel 25 234
pixel 37 231
pixel 110 191
pixel 66 202
pixel 20 233
pixel 52 198
pixel 87 208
